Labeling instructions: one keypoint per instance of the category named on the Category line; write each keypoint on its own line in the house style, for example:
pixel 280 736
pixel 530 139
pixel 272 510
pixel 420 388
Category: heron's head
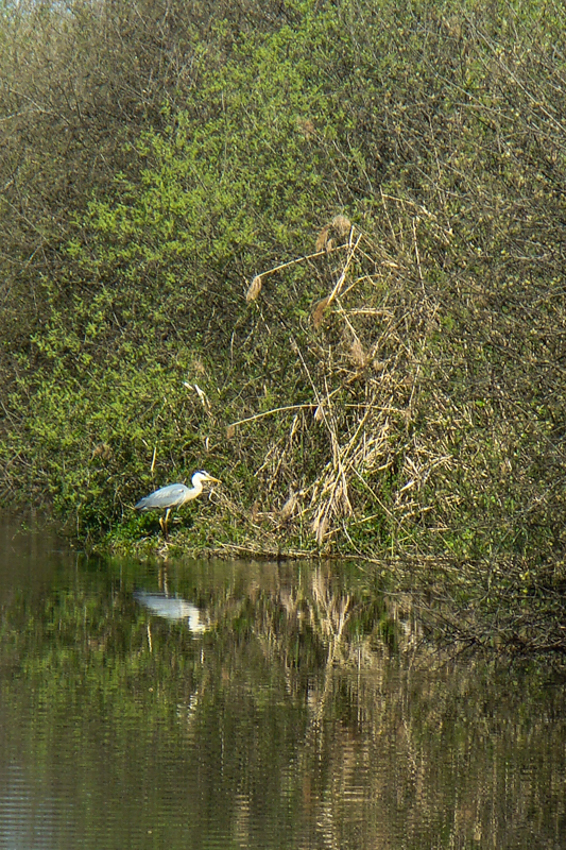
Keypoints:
pixel 202 476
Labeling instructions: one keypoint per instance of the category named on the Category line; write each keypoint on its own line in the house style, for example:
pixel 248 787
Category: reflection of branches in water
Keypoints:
pixel 331 743
pixel 320 738
pixel 329 612
pixel 316 623
pixel 495 606
pixel 408 628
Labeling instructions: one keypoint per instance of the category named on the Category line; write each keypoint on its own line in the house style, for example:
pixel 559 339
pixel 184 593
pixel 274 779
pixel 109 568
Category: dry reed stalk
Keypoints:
pixel 231 428
pixel 256 285
pixel 338 286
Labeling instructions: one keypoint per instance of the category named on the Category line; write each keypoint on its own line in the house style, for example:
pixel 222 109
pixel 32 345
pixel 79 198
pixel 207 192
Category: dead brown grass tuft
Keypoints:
pixel 322 240
pixel 254 288
pixel 341 225
pixel 317 314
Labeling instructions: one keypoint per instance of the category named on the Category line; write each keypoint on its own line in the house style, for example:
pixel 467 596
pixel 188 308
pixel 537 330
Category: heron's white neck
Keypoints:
pixel 196 489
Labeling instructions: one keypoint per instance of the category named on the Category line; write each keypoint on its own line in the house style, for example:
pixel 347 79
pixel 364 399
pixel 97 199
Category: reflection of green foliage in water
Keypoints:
pixel 237 700
pixel 289 710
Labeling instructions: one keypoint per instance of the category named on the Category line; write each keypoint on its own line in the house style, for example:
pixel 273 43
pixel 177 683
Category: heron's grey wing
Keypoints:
pixel 166 497
pixel 142 505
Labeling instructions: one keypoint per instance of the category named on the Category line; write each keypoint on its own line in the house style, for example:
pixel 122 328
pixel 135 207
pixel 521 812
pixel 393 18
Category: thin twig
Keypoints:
pixel 302 259
pixel 270 413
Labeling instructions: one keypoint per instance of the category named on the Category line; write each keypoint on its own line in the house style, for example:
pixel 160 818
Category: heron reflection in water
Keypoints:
pixel 173 496
pixel 173 608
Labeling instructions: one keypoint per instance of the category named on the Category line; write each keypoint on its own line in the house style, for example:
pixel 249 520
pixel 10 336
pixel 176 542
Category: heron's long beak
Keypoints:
pixel 217 480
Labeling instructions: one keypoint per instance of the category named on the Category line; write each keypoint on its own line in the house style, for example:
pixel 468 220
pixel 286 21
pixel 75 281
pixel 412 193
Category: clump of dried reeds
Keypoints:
pixel 363 371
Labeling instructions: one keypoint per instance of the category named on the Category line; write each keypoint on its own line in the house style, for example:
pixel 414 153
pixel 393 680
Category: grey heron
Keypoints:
pixel 173 496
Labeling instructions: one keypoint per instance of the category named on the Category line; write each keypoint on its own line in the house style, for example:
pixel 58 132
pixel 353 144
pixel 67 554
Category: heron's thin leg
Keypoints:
pixel 163 522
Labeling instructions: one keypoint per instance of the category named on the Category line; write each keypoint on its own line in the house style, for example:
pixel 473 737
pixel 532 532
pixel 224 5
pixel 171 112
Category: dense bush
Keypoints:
pixel 399 388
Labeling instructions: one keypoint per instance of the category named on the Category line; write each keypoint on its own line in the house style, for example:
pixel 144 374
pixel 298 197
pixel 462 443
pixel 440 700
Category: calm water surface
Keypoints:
pixel 213 704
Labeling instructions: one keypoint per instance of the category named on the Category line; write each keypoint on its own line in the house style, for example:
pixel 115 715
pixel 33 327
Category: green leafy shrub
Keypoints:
pixel 384 183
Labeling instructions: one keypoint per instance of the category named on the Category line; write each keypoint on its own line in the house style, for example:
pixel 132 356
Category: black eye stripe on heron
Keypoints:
pixel 173 496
